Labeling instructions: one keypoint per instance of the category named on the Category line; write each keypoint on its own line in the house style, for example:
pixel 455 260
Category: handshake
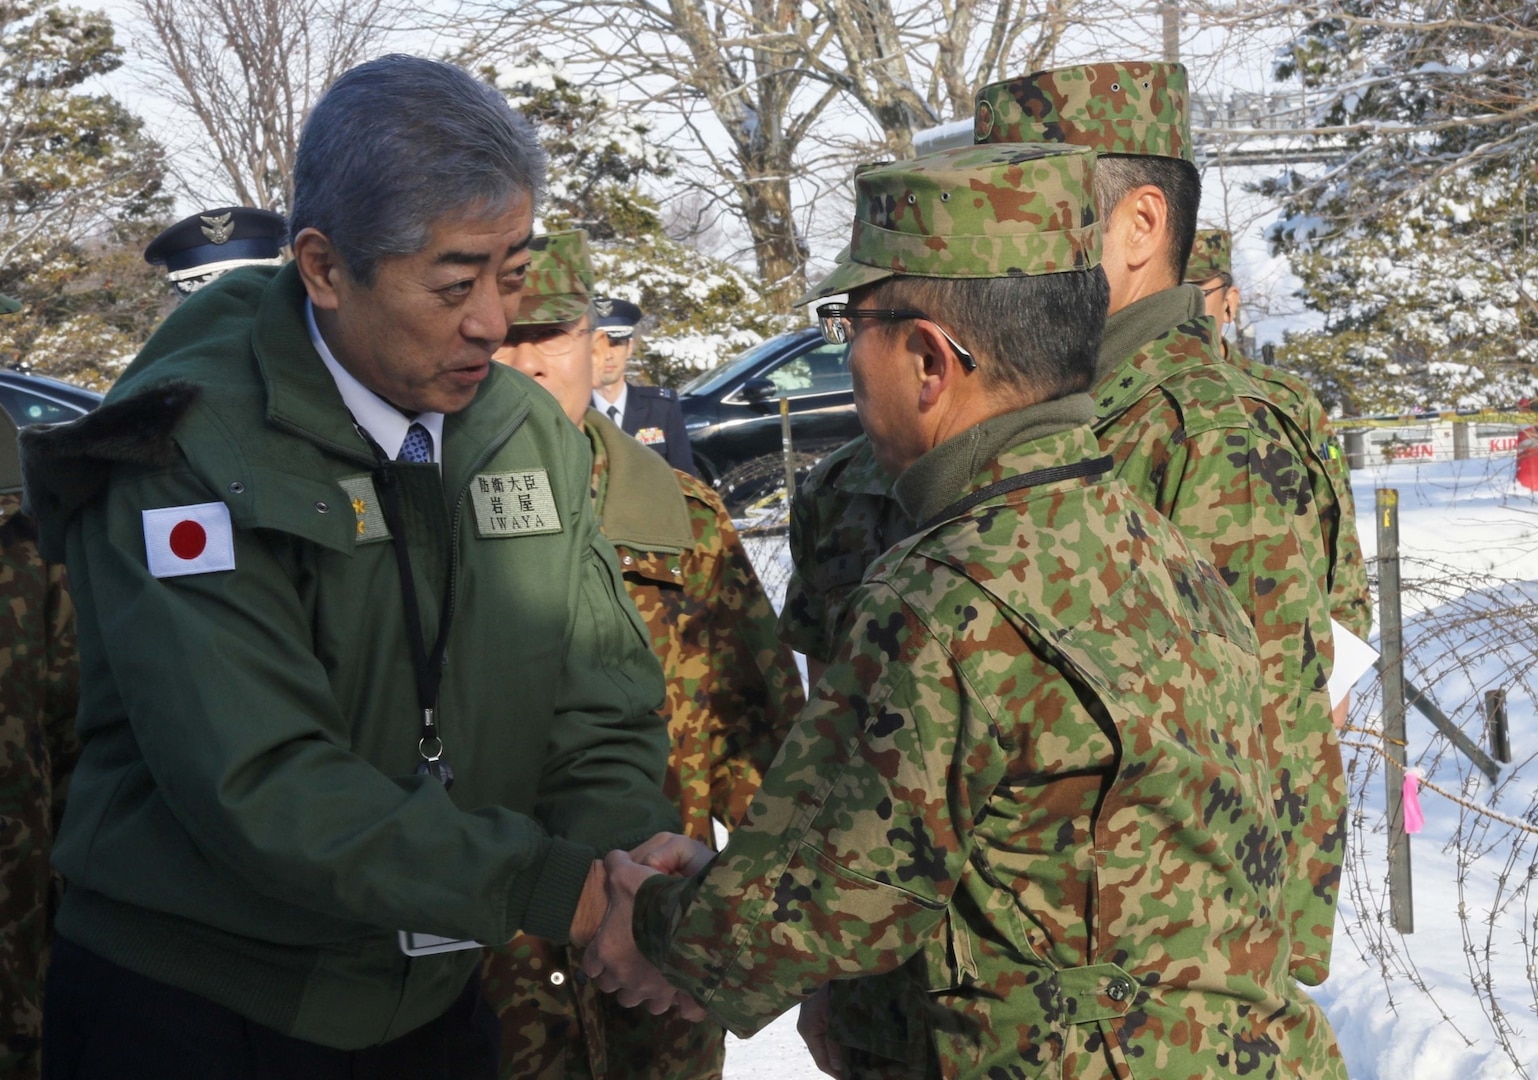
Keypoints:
pixel 602 924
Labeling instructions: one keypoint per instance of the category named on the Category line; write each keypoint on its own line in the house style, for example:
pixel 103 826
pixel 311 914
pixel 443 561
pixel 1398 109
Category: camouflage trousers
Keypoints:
pixel 28 896
pixel 556 1025
pixel 23 949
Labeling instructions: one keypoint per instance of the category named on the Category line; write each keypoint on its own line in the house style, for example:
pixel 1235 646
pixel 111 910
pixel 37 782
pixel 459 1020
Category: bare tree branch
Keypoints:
pixel 247 72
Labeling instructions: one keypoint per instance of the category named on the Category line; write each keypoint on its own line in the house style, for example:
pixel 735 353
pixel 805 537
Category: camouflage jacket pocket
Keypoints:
pixel 1113 646
pixel 650 568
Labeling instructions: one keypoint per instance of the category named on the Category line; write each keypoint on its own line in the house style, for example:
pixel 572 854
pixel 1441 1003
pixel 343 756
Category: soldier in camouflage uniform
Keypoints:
pixel 844 516
pixel 1194 436
pixel 1203 442
pixel 1210 269
pixel 38 675
pixel 732 689
pixel 1026 816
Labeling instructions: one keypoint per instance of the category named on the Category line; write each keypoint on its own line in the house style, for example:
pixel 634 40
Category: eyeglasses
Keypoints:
pixel 1219 287
pixel 832 317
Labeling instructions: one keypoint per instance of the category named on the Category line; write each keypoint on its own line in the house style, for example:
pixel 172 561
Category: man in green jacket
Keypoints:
pixel 1026 817
pixel 360 687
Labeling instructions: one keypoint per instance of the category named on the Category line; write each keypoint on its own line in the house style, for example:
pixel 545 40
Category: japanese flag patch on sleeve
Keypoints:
pixel 189 539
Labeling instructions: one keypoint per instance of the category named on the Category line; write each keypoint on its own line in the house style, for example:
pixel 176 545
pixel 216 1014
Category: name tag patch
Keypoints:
pixel 365 506
pixel 194 539
pixel 651 435
pixel 514 504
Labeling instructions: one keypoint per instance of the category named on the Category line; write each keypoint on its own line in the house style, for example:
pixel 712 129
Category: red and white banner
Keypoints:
pixel 189 539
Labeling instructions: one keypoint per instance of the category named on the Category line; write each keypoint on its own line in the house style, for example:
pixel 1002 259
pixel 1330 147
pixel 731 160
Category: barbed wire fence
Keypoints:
pixel 1474 633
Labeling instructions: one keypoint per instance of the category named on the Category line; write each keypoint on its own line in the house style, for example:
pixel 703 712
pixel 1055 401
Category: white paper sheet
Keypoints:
pixel 1353 657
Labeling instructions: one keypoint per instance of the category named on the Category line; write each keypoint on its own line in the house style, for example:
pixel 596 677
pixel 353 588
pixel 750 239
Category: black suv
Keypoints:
pixel 733 412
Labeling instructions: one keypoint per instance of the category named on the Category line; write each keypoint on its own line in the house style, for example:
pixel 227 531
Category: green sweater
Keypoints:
pixel 245 822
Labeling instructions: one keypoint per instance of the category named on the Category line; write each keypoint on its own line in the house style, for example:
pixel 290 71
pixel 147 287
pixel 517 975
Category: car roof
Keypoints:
pixel 44 383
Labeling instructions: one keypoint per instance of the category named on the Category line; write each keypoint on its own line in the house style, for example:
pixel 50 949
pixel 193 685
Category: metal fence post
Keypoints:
pixel 1356 449
pixel 1495 724
pixel 790 465
pixel 1391 668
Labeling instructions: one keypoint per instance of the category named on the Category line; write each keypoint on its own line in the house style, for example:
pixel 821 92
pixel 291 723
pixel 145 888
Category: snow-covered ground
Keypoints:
pixel 1406 1007
pixel 1469 559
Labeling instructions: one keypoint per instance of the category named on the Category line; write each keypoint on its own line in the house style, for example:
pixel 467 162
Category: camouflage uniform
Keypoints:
pixel 1046 917
pixel 1024 827
pixel 38 676
pixel 732 693
pixel 843 517
pixel 1350 597
pixel 1350 601
pixel 1206 445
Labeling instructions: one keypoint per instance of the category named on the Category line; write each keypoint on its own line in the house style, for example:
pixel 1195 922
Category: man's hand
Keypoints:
pixel 612 959
pixel 1337 717
pixel 681 856
pixel 812 1024
pixel 591 906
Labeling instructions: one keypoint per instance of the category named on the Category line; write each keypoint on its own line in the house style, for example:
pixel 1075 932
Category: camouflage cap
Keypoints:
pixel 559 284
pixel 1210 255
pixel 971 212
pixel 1140 107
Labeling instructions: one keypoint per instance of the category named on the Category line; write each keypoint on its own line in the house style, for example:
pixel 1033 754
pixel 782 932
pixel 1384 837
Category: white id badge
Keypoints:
pixel 428 944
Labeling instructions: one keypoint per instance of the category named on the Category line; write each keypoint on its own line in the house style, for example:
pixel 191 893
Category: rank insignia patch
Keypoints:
pixel 365 506
pixel 514 504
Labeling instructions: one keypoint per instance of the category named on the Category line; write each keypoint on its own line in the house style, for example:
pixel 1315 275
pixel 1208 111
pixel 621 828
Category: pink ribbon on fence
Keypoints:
pixel 1413 821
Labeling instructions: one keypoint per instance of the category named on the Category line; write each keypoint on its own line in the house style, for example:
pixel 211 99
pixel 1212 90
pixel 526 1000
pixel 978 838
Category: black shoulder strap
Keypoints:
pixel 1085 467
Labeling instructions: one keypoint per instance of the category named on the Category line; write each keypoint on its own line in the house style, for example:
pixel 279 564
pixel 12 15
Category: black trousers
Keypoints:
pixel 104 1022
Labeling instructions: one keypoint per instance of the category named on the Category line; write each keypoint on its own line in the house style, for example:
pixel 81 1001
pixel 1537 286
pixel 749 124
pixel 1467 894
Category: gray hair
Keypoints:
pixel 1116 175
pixel 397 144
pixel 1036 337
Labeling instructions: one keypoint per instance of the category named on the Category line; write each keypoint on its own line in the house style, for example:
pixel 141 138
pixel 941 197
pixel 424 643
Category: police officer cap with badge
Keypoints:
pixel 198 249
pixel 650 413
pixel 616 318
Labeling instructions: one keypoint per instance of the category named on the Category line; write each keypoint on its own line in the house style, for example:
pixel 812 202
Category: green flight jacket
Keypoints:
pixel 245 822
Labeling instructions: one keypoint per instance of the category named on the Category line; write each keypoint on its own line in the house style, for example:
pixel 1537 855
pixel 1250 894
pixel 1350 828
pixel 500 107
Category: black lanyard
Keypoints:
pixel 1083 467
pixel 428 669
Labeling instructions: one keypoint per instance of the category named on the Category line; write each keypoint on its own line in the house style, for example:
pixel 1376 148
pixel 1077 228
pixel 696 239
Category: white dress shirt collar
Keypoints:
pixel 386 424
pixel 603 404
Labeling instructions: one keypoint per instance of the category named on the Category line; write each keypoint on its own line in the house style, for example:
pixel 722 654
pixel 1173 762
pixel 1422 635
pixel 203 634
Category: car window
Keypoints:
pixel 823 370
pixel 712 380
pixel 26 407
